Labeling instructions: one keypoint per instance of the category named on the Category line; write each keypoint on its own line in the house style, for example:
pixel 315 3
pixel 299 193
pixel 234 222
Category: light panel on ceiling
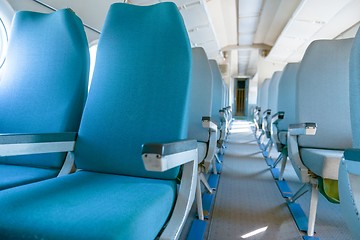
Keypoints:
pixel 201 35
pixel 249 8
pixel 194 16
pixel 309 19
pixel 320 10
pixel 248 24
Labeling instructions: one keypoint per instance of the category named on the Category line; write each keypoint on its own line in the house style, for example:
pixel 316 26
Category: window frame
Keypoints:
pixel 3 42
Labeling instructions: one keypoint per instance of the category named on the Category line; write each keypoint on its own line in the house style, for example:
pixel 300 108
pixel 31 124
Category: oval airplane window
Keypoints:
pixel 3 42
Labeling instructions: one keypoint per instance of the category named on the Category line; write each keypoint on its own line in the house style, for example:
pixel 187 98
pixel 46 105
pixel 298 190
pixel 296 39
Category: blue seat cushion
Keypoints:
pixel 87 205
pixel 14 175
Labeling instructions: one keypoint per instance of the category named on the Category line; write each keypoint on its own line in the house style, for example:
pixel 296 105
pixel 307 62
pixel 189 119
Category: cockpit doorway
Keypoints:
pixel 241 96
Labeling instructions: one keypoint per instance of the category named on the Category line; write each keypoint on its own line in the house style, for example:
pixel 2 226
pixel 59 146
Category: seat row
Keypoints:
pixel 147 121
pixel 310 113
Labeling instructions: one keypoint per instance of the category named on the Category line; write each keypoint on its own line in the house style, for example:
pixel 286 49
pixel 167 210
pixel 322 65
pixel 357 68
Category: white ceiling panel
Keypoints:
pixel 194 16
pixel 320 10
pixel 314 19
pixel 246 39
pixel 202 35
pixel 286 47
pixel 343 20
pixel 279 20
pixel 249 8
pixel 248 24
pixel 267 14
pixel 302 29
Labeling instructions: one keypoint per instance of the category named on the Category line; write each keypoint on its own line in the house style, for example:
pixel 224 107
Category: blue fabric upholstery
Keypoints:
pixel 41 90
pixel 142 77
pixel 217 92
pixel 286 98
pixel 15 175
pixel 349 170
pixel 139 94
pixel 87 205
pixel 354 75
pixel 322 97
pixel 274 92
pixel 349 191
pixel 200 97
pixel 323 94
pixel 264 93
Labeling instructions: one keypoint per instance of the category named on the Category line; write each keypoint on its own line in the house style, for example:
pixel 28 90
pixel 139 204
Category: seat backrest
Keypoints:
pixel 273 92
pixel 140 90
pixel 200 96
pixel 226 97
pixel 44 79
pixel 286 95
pixel 264 93
pixel 223 92
pixel 217 99
pixel 322 94
pixel 354 76
pixel 349 170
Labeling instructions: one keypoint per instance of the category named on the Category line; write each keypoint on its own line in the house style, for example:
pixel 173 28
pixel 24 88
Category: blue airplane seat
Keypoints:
pixel 42 89
pixel 349 170
pixel 200 100
pixel 201 127
pixel 322 130
pixel 286 99
pixel 217 102
pixel 264 95
pixel 259 104
pixel 264 110
pixel 135 118
pixel 272 94
pixel 285 113
pixel 217 92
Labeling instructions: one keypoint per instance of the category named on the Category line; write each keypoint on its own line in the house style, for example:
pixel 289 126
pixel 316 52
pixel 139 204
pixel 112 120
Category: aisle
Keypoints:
pixel 247 198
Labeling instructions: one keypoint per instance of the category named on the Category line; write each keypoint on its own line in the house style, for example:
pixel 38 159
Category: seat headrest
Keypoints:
pixel 286 97
pixel 44 78
pixel 139 92
pixel 323 94
pixel 200 97
pixel 355 90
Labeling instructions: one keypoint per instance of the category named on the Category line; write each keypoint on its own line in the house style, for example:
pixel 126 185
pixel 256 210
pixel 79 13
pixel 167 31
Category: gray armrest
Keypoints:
pixel 23 144
pixel 302 129
pixel 266 122
pixel 277 117
pixel 257 110
pixel 207 123
pixel 266 113
pixel 161 157
pixel 222 115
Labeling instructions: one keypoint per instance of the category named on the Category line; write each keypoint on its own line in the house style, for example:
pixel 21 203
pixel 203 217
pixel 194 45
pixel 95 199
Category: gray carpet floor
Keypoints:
pixel 248 199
